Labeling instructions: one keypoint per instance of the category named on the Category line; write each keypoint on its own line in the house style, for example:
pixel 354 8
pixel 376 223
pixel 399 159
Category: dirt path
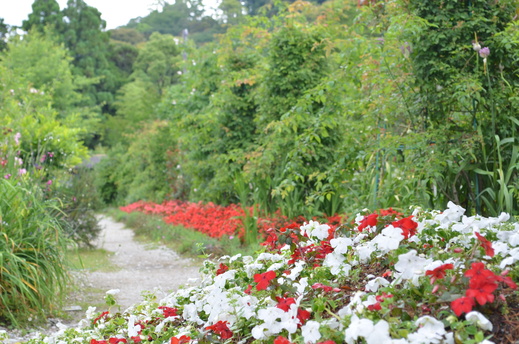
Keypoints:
pixel 139 268
pixel 142 268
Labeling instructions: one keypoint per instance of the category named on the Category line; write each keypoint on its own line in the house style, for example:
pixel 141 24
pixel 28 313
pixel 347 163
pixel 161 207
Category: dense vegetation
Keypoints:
pixel 301 108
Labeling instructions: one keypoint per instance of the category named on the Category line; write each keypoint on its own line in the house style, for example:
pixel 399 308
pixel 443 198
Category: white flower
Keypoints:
pixel 90 312
pixel 315 229
pixel 340 245
pixel 133 330
pixel 480 320
pixel 113 292
pixel 336 264
pixel 431 331
pixel 364 251
pixel 389 239
pixel 452 214
pixel 374 284
pixel 411 266
pixel 296 270
pixel 311 332
pixel 373 334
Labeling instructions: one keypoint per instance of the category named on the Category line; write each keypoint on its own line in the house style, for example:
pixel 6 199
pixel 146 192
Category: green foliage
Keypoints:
pixel 144 170
pixel 79 199
pixel 174 18
pixel 29 111
pixel 32 271
pixel 44 13
pixel 81 31
pixel 45 65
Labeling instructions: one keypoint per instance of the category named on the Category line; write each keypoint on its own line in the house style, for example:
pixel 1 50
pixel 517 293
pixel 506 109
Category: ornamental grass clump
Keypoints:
pixel 32 245
pixel 431 277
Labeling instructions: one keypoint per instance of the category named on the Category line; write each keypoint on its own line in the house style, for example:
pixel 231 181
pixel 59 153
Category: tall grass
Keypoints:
pixel 32 248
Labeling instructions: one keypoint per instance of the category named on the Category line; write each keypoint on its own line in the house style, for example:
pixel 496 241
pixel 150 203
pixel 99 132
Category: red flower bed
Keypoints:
pixel 211 219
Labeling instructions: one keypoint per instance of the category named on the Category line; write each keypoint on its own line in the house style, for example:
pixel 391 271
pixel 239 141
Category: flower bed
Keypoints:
pixel 211 219
pixel 433 277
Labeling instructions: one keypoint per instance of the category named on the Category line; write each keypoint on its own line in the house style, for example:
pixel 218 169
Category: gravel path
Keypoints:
pixel 140 268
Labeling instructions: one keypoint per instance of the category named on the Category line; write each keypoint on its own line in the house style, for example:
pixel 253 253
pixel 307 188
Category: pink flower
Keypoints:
pixel 484 52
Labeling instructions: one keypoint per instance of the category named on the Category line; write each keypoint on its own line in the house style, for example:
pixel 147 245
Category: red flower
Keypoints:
pixel 221 329
pixel 370 220
pixel 284 303
pixel 326 288
pixel 483 294
pixel 169 311
pixel 100 316
pixel 264 279
pixel 114 340
pixel 282 340
pixel 223 268
pixel 136 339
pixel 439 272
pixel 375 307
pixel 508 281
pixel 181 340
pixel 407 225
pixel 303 315
pixel 462 305
pixel 388 212
pixel 93 341
pixel 487 245
pixel 327 342
pixel 248 290
pixel 478 270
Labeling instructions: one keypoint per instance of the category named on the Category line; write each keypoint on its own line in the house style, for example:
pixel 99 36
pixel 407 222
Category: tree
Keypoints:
pixel 45 65
pixel 157 62
pixel 44 13
pixel 82 31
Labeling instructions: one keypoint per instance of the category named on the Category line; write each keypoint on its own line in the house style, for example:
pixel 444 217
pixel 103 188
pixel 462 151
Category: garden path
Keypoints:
pixel 140 267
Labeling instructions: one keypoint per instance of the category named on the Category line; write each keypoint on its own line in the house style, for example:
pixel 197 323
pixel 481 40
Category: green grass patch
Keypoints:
pixel 185 241
pixel 91 259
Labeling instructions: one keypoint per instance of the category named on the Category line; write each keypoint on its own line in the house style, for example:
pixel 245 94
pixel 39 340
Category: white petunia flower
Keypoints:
pixel 389 239
pixel 340 245
pixel 373 333
pixel 315 229
pixel 374 284
pixel 310 331
pixel 410 266
pixel 480 320
pixel 336 264
pixel 430 331
pixel 296 270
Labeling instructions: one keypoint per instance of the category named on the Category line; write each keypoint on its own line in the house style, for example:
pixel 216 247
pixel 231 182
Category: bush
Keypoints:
pixel 79 199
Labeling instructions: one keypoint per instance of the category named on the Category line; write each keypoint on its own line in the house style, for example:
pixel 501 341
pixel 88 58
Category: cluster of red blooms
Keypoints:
pixel 482 284
pixel 213 220
pixel 221 329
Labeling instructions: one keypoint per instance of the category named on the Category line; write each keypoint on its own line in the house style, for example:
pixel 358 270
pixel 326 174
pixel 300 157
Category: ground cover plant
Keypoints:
pixel 431 277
